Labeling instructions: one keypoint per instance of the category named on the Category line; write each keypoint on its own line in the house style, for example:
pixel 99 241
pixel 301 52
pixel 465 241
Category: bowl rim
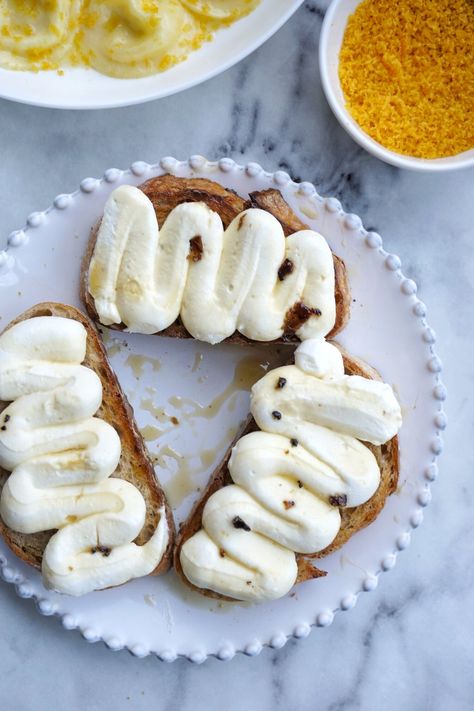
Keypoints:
pixel 81 88
pixel 352 127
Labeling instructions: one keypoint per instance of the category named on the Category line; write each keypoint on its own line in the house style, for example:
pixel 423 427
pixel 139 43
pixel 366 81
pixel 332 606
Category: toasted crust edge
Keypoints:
pixel 352 519
pixel 29 547
pixel 168 191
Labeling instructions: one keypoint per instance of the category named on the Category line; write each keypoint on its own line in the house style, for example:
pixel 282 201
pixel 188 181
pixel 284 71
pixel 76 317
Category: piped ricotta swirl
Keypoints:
pixel 291 477
pixel 247 278
pixel 61 458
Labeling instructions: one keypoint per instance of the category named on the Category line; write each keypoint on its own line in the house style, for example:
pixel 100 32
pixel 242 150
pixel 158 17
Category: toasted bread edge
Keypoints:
pixel 352 519
pixel 117 411
pixel 168 191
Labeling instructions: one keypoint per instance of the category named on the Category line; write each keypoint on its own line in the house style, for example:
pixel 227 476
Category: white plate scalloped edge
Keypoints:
pixel 305 200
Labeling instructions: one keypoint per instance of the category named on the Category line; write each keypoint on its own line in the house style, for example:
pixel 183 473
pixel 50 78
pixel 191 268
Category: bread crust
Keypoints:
pixel 168 191
pixel 134 466
pixel 352 519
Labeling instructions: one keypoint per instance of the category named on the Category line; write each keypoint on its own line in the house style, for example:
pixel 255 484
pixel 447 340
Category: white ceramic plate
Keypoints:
pixel 86 89
pixel 387 328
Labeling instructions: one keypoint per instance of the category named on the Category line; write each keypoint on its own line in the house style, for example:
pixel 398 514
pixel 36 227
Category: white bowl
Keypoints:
pixel 81 88
pixel 332 34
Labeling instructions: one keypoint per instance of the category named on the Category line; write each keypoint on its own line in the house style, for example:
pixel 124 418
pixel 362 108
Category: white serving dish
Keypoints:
pixel 330 42
pixel 87 89
pixel 388 329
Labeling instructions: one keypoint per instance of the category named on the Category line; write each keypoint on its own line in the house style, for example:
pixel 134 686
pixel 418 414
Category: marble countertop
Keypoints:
pixel 407 645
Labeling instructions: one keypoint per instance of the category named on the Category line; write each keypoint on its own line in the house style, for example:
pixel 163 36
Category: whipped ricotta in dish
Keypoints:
pixel 248 278
pixel 291 477
pixel 61 458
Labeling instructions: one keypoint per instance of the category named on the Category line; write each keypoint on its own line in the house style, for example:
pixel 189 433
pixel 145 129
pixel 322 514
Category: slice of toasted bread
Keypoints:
pixel 134 465
pixel 352 519
pixel 168 191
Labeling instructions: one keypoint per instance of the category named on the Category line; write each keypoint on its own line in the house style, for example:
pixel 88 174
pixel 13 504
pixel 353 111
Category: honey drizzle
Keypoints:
pixel 185 481
pixel 150 433
pixel 197 361
pixel 246 373
pixel 138 362
pixel 115 348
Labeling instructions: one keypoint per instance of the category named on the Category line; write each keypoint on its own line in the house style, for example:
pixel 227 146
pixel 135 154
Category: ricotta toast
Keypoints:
pixel 188 258
pixel 313 465
pixel 319 454
pixel 79 497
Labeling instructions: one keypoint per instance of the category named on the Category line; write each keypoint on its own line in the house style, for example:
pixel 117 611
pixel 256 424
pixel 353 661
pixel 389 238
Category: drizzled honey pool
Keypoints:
pixel 120 38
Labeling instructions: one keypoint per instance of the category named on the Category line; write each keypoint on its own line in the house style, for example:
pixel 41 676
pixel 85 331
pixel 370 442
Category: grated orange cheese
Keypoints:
pixel 407 72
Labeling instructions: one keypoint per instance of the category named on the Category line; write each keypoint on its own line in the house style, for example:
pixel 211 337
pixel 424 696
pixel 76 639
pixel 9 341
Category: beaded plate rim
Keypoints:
pixel 373 241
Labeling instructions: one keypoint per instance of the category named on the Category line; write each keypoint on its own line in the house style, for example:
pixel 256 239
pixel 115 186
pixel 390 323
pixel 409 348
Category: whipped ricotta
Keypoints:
pixel 61 458
pixel 247 278
pixel 291 477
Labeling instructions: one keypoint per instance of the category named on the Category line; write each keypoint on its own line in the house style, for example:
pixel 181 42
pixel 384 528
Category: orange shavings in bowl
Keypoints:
pixel 407 72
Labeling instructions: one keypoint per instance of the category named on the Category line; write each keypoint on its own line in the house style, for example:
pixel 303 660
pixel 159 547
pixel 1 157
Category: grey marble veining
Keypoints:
pixel 409 644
